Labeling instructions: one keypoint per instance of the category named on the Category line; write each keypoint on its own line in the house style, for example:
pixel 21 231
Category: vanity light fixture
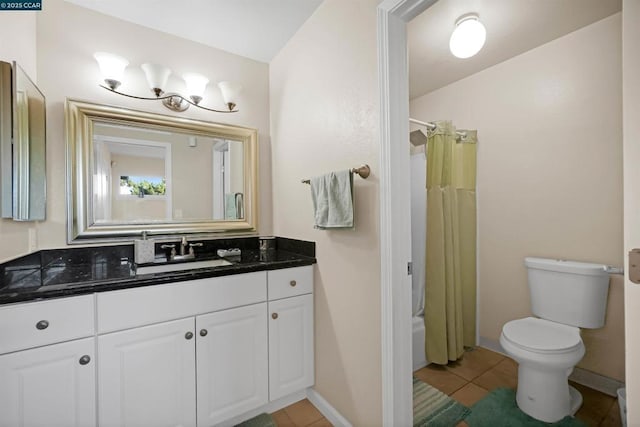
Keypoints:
pixel 468 37
pixel 112 68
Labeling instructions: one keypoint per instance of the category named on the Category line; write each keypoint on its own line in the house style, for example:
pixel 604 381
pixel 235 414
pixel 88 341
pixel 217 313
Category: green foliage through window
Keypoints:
pixel 143 185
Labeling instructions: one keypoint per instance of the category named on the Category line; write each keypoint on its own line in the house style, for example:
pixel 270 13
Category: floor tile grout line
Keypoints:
pixel 456 390
pixel 600 417
pixel 313 422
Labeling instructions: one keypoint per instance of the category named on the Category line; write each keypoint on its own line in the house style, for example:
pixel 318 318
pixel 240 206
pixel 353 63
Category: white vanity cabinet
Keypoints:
pixel 195 353
pixel 152 368
pixel 47 374
pixel 146 376
pixel 291 358
pixel 232 352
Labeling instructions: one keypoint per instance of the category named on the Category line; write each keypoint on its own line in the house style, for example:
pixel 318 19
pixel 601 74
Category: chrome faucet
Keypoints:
pixel 183 246
pixel 185 254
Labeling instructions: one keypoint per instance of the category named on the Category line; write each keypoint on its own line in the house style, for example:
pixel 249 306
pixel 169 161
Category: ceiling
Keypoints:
pixel 256 29
pixel 513 27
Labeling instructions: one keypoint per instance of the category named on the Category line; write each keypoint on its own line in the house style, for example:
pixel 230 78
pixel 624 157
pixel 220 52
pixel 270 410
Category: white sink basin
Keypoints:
pixel 164 268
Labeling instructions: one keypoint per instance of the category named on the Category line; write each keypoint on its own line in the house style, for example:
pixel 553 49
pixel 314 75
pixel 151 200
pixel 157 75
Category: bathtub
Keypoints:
pixel 419 358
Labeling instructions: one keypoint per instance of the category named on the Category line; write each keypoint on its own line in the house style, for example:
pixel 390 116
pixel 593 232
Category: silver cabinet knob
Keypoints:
pixel 274 316
pixel 188 335
pixel 43 324
pixel 203 332
pixel 85 359
pixel 292 283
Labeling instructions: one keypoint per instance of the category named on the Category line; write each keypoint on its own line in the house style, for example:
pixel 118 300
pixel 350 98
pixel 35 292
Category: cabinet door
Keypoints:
pixel 146 376
pixel 232 363
pixel 51 386
pixel 290 345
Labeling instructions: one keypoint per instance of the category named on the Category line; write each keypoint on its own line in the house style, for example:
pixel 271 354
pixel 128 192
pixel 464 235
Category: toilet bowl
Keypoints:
pixel 565 296
pixel 546 353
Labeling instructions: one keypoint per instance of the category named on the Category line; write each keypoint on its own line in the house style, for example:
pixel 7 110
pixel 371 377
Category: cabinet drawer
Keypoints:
pixel 290 282
pixel 130 308
pixel 45 322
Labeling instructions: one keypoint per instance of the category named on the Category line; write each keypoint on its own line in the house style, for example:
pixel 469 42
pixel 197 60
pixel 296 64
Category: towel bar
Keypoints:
pixel 364 171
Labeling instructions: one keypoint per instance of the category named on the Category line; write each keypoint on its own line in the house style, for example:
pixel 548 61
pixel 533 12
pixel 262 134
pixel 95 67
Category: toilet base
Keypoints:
pixel 576 400
pixel 545 394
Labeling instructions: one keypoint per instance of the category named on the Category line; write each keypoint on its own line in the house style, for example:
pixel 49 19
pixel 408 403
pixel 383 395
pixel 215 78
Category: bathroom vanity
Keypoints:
pixel 204 347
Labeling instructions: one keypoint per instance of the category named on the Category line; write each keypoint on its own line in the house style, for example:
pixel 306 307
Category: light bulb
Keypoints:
pixel 230 92
pixel 468 37
pixel 157 76
pixel 196 84
pixel 112 68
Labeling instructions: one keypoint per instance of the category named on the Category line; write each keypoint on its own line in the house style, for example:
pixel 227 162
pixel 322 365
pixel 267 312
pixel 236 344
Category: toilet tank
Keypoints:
pixel 569 292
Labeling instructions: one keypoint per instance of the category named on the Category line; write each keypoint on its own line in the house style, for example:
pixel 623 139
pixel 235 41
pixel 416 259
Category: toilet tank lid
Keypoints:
pixel 574 267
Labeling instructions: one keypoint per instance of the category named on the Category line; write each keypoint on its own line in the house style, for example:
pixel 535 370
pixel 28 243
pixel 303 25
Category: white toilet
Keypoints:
pixel 566 296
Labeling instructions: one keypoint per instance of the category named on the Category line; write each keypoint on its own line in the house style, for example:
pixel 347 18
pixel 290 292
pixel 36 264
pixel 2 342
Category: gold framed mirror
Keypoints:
pixel 130 171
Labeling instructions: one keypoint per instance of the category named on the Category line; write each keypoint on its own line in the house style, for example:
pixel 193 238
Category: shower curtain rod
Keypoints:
pixel 432 126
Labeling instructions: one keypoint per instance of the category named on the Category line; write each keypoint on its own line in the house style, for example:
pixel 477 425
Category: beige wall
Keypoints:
pixel 324 117
pixel 549 172
pixel 192 178
pixel 67 36
pixel 631 119
pixel 18 35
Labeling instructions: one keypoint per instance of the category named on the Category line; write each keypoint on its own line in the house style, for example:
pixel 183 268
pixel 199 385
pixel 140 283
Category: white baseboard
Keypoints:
pixel 269 408
pixel 596 381
pixel 492 345
pixel 420 365
pixel 590 379
pixel 329 412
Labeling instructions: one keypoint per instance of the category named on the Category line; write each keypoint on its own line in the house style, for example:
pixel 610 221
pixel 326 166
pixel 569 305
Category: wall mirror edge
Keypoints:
pixel 23 186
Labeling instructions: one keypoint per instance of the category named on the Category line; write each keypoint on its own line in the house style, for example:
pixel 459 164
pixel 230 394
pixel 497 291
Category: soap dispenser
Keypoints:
pixel 144 249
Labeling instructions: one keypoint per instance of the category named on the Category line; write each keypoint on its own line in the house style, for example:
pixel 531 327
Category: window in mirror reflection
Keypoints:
pixel 143 186
pixel 143 175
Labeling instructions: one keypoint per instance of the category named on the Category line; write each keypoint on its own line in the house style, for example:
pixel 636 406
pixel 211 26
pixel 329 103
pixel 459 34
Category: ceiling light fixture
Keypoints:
pixel 112 68
pixel 468 37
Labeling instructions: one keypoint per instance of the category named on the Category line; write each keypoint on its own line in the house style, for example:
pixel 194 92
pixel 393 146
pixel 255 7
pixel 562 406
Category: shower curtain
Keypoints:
pixel 450 279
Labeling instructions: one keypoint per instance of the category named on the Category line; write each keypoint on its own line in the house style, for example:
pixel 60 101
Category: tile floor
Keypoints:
pixel 300 414
pixel 467 381
pixel 480 371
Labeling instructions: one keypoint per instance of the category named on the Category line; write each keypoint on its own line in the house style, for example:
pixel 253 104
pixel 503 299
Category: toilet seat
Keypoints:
pixel 542 336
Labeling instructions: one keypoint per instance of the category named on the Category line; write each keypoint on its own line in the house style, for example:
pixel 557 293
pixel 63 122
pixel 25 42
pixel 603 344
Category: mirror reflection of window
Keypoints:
pixel 143 186
pixel 148 175
pixel 131 179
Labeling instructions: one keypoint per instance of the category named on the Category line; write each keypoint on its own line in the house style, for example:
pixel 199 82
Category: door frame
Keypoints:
pixel 395 208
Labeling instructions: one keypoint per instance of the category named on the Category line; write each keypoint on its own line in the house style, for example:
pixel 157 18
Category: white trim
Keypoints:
pixel 596 381
pixel 395 221
pixel 329 412
pixel 492 345
pixel 217 184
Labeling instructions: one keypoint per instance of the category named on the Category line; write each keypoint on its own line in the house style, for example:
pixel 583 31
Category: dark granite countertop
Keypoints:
pixel 68 272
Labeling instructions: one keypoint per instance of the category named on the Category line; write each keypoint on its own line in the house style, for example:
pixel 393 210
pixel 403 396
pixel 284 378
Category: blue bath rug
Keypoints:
pixel 499 409
pixel 432 408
